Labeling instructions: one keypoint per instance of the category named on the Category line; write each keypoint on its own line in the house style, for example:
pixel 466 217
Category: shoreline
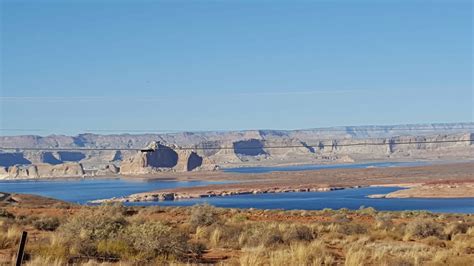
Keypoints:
pixel 321 180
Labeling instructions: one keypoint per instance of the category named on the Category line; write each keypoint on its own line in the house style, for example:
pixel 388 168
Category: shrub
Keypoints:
pixel 197 249
pixel 456 228
pixel 96 224
pixel 203 215
pixel 383 221
pixel 368 210
pixel 423 229
pixel 114 248
pixel 5 214
pixel 83 231
pixel 261 235
pixel 25 220
pixel 239 218
pixel 349 228
pixel 152 239
pixel 47 223
pixel 298 233
pixel 219 235
pixel 4 241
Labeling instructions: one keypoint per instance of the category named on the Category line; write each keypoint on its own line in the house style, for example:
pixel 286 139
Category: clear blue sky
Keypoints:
pixel 204 65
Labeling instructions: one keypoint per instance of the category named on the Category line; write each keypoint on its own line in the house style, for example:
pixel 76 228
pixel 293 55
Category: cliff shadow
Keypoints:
pixel 162 157
pixel 252 147
pixel 48 157
pixel 71 156
pixel 194 161
pixel 10 159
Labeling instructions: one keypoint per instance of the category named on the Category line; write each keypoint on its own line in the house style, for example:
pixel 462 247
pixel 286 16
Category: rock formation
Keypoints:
pixel 43 171
pixel 161 158
pixel 109 169
pixel 208 150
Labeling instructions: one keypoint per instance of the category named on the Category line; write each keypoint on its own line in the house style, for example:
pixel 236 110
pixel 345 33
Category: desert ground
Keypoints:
pixel 61 233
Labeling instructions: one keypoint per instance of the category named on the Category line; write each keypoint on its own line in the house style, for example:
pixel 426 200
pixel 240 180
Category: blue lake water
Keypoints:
pixel 84 190
pixel 266 169
pixel 347 198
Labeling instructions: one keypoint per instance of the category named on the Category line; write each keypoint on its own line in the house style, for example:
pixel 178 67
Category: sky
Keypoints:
pixel 70 67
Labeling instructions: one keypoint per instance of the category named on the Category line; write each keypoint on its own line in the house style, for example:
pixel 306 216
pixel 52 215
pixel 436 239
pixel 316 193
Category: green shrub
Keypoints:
pixel 423 229
pixel 297 233
pixel 203 215
pixel 47 223
pixel 95 224
pixel 153 239
pixel 261 235
pixel 114 249
pixel 5 214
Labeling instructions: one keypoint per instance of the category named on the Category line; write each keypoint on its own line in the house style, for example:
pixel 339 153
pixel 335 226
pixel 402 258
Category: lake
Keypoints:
pixel 84 190
pixel 353 198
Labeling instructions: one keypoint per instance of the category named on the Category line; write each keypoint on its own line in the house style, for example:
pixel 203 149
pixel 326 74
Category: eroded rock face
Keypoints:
pixel 163 158
pixel 247 148
pixel 109 169
pixel 43 171
pixel 3 172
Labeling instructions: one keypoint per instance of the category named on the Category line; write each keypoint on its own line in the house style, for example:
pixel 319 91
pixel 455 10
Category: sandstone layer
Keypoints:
pixel 189 151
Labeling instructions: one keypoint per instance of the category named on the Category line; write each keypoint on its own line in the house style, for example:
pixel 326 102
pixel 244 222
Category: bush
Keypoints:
pixel 456 228
pixel 368 210
pixel 226 236
pixel 298 233
pixel 423 229
pixel 349 228
pixel 4 241
pixel 5 214
pixel 95 224
pixel 114 249
pixel 203 215
pixel 47 223
pixel 87 228
pixel 152 239
pixel 261 235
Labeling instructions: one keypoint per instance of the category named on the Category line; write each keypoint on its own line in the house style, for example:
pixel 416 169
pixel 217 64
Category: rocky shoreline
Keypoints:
pixel 173 195
pixel 456 189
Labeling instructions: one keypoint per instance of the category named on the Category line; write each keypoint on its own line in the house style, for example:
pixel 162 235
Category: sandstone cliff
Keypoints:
pixel 42 171
pixel 162 158
pixel 207 150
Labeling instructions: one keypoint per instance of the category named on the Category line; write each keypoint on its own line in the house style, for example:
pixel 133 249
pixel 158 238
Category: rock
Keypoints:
pixel 377 196
pixel 109 169
pixel 3 172
pixel 45 171
pixel 246 148
pixel 162 158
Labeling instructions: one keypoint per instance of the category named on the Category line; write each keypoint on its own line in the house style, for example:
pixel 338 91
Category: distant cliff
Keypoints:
pixel 210 150
pixel 33 171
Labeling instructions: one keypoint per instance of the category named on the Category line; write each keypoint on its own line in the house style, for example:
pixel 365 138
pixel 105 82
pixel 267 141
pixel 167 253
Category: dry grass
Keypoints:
pixel 116 235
